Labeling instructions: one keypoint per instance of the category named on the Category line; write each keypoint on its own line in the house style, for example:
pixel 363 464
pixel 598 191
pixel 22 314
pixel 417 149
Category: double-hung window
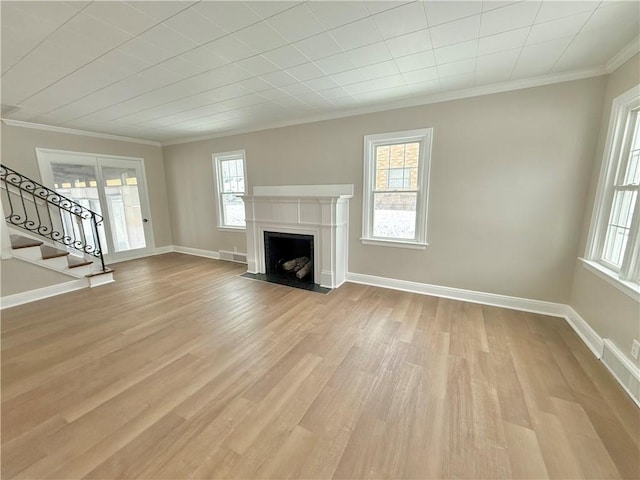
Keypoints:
pixel 396 181
pixel 231 180
pixel 614 241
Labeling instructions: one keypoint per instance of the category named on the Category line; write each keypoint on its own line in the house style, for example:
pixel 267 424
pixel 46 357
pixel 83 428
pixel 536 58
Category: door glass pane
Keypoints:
pixel 394 215
pixel 79 183
pixel 125 215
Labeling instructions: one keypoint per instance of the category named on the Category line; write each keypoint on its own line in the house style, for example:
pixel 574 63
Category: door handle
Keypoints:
pixel 145 220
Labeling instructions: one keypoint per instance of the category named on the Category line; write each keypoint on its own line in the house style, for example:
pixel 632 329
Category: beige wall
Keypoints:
pixel 610 313
pixel 17 276
pixel 509 177
pixel 18 152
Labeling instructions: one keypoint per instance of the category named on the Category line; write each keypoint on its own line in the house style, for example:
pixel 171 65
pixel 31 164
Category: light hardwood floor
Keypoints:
pixel 182 369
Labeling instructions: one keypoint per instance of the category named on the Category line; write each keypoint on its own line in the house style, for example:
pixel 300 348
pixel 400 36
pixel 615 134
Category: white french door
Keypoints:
pixel 114 187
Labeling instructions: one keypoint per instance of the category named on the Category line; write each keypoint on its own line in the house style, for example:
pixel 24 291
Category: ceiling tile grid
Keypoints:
pixel 165 70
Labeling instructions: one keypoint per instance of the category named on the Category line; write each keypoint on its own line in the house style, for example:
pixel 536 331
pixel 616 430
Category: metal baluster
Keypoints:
pixel 96 238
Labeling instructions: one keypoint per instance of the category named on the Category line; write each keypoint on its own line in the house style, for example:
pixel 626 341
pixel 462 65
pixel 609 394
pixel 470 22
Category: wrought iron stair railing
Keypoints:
pixel 37 209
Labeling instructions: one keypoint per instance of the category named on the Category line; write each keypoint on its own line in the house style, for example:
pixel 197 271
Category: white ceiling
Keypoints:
pixel 165 70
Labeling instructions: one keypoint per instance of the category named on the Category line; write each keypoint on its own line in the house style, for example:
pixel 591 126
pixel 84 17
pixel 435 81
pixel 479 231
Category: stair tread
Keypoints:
pixel 75 262
pixel 52 252
pixel 18 241
pixel 107 270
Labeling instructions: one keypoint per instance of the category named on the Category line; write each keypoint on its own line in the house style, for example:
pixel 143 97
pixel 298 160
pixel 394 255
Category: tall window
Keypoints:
pixel 396 169
pixel 231 178
pixel 615 237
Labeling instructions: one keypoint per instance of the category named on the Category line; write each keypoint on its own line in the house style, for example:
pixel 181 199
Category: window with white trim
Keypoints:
pixel 231 180
pixel 614 241
pixel 396 183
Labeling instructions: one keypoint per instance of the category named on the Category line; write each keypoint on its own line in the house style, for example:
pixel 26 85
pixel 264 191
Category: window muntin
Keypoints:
pixel 396 169
pixel 231 175
pixel 615 237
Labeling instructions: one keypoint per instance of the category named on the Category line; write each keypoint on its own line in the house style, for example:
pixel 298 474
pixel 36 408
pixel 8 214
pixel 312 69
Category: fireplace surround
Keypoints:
pixel 318 212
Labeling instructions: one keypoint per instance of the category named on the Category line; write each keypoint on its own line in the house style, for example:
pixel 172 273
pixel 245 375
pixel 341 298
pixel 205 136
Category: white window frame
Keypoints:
pixel 616 154
pixel 218 158
pixel 424 137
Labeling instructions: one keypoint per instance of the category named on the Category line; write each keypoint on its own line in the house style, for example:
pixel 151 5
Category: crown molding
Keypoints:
pixel 628 51
pixel 411 102
pixel 73 131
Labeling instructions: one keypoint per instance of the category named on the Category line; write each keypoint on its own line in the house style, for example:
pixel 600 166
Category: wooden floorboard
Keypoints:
pixel 183 369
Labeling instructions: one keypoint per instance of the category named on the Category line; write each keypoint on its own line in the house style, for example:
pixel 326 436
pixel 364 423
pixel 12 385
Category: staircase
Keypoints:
pixel 37 252
pixel 45 228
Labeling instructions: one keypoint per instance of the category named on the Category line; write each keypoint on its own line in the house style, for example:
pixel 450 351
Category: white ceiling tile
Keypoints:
pixel 422 75
pixel 321 83
pixel 457 68
pixel 296 23
pixel 615 16
pixel 335 63
pixel 306 71
pixel 585 51
pixel 182 67
pixel 411 43
pixel 493 4
pixel 365 73
pixel 144 50
pixel 160 9
pixel 439 12
pixel 279 78
pixel 255 84
pixel 457 82
pixel 496 67
pixel 296 89
pixel 195 26
pixel 205 57
pixel 502 41
pixel 377 6
pixel 538 59
pixel 510 17
pixel 168 39
pixel 285 57
pixel 374 53
pixel 121 15
pixel 459 51
pixel 269 8
pixel 562 27
pixel 261 37
pixel 96 30
pixel 455 32
pixel 318 46
pixel 257 65
pixel 401 20
pixel 231 48
pixel 558 9
pixel 231 16
pixel 416 61
pixel 356 34
pixel 54 12
pixel 119 60
pixel 335 14
pixel 335 93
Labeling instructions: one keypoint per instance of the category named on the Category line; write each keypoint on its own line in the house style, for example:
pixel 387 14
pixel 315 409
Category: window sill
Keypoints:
pixel 630 289
pixel 394 243
pixel 232 229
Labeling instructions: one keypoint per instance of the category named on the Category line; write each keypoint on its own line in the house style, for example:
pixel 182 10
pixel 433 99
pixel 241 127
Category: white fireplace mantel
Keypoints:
pixel 318 210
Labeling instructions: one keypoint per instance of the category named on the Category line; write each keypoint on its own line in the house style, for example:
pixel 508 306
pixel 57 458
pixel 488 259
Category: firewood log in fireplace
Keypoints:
pixel 305 270
pixel 295 264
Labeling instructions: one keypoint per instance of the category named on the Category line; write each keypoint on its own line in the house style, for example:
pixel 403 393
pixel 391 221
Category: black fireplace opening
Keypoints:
pixel 288 259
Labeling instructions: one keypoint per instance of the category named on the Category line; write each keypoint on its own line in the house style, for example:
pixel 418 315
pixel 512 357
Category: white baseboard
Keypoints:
pixel 163 250
pixel 584 331
pixel 197 252
pixel 627 374
pixel 41 293
pixel 483 298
